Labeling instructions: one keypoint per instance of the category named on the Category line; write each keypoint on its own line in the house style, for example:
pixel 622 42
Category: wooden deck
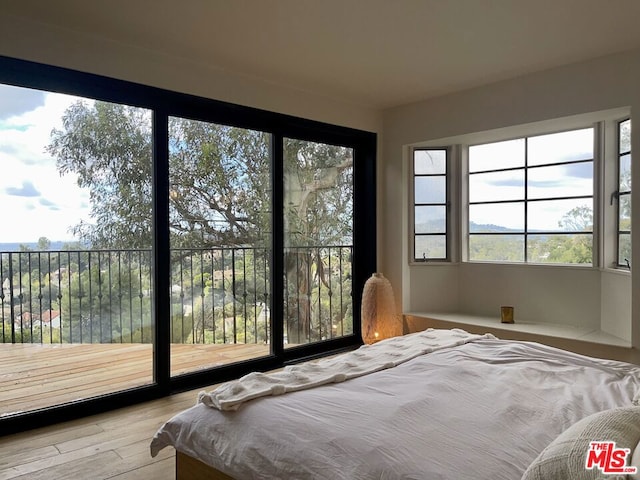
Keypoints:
pixel 38 376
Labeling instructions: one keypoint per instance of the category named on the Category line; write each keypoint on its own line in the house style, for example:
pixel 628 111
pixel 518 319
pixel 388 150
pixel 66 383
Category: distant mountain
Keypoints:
pixel 489 228
pixel 428 226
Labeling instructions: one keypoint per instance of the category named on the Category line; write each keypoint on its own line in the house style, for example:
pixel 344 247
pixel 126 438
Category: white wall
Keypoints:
pixel 578 296
pixel 538 293
pixel 433 289
pixel 615 304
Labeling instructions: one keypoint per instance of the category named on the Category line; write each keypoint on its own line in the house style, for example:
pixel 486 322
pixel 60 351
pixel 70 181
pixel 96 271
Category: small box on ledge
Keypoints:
pixel 506 314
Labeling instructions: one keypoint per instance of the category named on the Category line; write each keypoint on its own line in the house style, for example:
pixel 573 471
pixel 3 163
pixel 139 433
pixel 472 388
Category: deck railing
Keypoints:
pixel 218 295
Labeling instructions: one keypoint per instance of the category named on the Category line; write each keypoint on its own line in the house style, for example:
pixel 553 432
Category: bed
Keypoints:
pixel 438 404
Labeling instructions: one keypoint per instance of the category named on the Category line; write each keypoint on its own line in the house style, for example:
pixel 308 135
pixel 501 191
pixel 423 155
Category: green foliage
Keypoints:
pixel 578 219
pixel 570 247
pixel 108 146
pixel 563 249
pixel 319 193
pixel 496 248
pixel 43 244
pixel 29 334
pixel 220 185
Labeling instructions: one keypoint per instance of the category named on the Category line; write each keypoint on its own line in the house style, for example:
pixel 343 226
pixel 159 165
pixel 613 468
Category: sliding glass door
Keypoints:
pixel 153 241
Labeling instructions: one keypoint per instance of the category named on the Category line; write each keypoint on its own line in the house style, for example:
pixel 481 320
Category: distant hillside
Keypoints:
pixel 16 247
pixel 473 227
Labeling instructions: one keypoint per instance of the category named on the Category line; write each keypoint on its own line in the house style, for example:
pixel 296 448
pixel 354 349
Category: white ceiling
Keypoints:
pixel 375 53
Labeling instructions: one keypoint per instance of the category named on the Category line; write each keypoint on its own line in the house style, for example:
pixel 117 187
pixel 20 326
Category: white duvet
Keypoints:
pixel 481 410
pixel 363 361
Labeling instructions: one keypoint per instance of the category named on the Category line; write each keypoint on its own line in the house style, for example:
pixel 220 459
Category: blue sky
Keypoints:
pixel 35 199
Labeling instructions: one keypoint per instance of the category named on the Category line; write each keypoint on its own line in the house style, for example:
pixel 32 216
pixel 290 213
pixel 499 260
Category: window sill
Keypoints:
pixel 618 271
pixel 586 341
pixel 433 263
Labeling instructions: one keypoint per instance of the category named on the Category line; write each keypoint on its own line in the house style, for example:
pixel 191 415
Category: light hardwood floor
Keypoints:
pixel 113 445
pixel 38 376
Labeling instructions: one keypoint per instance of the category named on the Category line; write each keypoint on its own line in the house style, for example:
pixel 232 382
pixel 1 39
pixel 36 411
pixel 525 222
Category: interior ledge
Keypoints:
pixel 581 340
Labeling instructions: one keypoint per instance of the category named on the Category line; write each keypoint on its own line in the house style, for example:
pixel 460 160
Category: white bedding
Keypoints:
pixel 363 361
pixel 481 410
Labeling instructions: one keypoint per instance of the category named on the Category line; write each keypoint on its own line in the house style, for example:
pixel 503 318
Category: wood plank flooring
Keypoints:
pixel 113 445
pixel 37 376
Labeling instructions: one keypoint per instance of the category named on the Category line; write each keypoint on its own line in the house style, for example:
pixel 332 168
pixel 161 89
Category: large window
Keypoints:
pixel 430 204
pixel 156 241
pixel 318 215
pixel 531 199
pixel 75 248
pixel 624 194
pixel 219 224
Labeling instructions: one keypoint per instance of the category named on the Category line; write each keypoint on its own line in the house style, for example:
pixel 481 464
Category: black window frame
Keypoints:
pixel 619 193
pixel 446 204
pixel 165 103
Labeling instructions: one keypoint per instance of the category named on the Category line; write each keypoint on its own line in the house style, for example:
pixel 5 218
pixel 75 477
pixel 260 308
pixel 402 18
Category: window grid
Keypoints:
pixel 526 200
pixel 526 233
pixel 623 194
pixel 429 236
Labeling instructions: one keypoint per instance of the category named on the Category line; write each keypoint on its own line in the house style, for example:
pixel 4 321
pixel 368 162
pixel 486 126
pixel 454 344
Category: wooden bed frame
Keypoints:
pixel 188 468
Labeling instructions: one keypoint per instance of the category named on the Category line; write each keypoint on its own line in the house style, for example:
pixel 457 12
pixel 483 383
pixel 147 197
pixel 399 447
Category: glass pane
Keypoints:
pixel 573 215
pixel 428 247
pixel 496 186
pixel 318 197
pixel 560 147
pixel 430 162
pixel 625 136
pixel 431 219
pixel 75 266
pixel 625 173
pixel 560 248
pixel 496 156
pixel 220 197
pixel 624 205
pixel 496 248
pixel 430 190
pixel 496 217
pixel 569 180
pixel 624 249
pixel 625 213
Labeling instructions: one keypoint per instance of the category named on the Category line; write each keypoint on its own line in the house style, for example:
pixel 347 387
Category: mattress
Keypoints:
pixel 483 409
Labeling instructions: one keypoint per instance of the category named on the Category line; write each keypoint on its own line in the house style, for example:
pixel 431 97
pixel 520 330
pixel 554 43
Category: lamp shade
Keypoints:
pixel 378 312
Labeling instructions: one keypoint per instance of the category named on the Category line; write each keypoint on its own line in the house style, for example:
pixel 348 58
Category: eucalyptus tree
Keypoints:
pixel 219 197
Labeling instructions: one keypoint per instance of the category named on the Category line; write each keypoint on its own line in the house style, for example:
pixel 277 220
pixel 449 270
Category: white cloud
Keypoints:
pixel 60 202
pixel 17 101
